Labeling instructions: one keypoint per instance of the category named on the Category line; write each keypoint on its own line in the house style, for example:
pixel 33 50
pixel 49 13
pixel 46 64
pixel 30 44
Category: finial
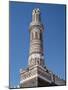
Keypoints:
pixel 36 10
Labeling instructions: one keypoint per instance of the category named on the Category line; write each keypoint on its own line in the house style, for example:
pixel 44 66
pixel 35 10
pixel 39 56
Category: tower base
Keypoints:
pixel 38 76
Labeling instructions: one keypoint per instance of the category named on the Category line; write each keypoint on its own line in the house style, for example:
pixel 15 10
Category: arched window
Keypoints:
pixel 32 35
pixel 40 36
pixel 36 35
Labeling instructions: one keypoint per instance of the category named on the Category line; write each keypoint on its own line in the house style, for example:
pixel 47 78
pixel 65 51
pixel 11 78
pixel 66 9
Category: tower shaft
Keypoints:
pixel 36 40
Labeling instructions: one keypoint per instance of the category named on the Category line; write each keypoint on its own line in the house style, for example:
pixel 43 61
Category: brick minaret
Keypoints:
pixel 36 41
pixel 36 74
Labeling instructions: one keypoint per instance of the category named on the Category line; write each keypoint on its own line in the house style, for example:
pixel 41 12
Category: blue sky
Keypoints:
pixel 53 19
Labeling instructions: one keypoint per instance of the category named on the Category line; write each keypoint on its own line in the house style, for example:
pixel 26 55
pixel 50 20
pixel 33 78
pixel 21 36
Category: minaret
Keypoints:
pixel 36 74
pixel 36 40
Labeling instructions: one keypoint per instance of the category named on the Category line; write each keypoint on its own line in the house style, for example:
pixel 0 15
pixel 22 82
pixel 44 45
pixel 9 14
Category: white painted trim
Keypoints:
pixel 44 78
pixel 36 55
pixel 34 77
pixel 40 67
pixel 29 78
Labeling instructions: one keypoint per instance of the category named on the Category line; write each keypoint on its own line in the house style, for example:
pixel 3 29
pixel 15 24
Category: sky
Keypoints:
pixel 53 19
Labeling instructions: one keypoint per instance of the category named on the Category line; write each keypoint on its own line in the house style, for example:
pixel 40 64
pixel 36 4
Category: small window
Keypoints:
pixel 36 36
pixel 40 36
pixel 32 36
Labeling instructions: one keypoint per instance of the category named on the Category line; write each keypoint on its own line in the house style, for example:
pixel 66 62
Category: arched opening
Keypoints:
pixel 32 36
pixel 36 35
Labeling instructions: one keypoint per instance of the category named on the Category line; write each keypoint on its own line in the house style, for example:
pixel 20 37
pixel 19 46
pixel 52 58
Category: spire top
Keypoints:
pixel 36 10
pixel 36 15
